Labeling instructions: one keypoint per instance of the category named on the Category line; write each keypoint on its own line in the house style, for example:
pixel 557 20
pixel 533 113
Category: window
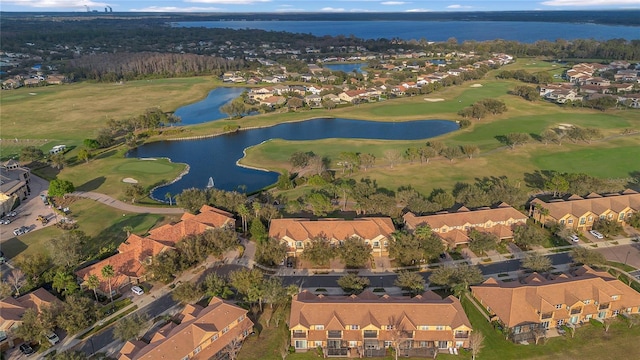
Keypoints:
pixel 562 221
pixel 301 344
pixel 241 318
pixel 570 221
pixel 423 344
pixel 440 327
pixel 587 302
pixel 560 323
pixel 387 344
pixel 616 312
pixel 353 344
pixel 614 297
pixel 559 306
pixel 610 216
pixel 443 344
pixel 354 327
pixel 583 221
pixel 225 330
pixel 602 217
pixel 186 357
pixel 319 327
pixel 214 338
pixel 590 218
pixel 621 217
pixel 197 350
pixel 299 244
pixel 376 244
pixel 423 327
pixel 387 327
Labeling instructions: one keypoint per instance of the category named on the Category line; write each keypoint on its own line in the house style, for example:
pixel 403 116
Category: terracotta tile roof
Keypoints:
pixel 518 303
pixel 592 204
pixel 481 218
pixel 455 237
pixel 336 229
pixel 197 328
pixel 12 309
pixel 336 312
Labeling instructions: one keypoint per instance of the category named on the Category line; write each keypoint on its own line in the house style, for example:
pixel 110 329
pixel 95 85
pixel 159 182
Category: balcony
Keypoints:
pixel 461 334
pixel 576 311
pixel 342 352
pixel 334 334
pixel 547 316
pixel 299 334
pixel 603 306
pixel 370 334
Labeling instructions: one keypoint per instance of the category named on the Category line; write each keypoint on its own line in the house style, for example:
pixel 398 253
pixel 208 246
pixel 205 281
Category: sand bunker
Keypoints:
pixel 130 181
pixel 476 85
pixel 433 100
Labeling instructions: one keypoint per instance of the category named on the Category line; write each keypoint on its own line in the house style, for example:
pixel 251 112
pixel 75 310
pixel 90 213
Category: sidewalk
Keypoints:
pixel 109 201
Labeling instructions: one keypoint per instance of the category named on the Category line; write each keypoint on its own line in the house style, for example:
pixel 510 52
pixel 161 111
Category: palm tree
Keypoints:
pixel 544 212
pixel 243 211
pixel 257 206
pixel 108 273
pixel 168 197
pixel 93 283
pixel 128 229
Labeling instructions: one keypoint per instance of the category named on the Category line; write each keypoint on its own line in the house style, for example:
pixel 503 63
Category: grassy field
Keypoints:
pixel 103 224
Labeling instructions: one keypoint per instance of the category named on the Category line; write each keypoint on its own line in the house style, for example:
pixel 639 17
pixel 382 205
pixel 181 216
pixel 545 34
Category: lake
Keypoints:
pixel 217 156
pixel 349 67
pixel 523 31
pixel 208 109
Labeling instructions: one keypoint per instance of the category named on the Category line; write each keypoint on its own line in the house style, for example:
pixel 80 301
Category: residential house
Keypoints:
pixel 10 84
pixel 453 227
pixel 298 233
pixel 578 213
pixel 273 101
pixel 539 303
pixel 313 101
pixel 133 254
pixel 366 325
pixel 562 96
pixel 351 95
pixel 203 333
pixel 14 184
pixel 12 309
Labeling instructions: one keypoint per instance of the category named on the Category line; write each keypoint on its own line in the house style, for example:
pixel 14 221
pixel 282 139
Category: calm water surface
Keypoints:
pixel 216 157
pixel 208 109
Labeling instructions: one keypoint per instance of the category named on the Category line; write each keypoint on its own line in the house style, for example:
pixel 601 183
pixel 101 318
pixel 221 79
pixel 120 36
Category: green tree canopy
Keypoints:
pixel 412 281
pixel 353 284
pixel 354 252
pixel 59 187
pixel 319 251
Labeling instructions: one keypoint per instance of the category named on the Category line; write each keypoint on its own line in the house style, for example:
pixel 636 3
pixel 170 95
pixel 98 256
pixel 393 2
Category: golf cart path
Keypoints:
pixel 109 201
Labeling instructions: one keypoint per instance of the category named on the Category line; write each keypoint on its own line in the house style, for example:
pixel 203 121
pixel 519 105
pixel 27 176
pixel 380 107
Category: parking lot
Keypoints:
pixel 29 210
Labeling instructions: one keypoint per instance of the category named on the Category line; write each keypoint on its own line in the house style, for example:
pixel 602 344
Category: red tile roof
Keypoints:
pixel 337 229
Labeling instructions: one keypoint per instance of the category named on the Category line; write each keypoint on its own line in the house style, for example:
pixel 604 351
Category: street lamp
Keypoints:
pixel 627 257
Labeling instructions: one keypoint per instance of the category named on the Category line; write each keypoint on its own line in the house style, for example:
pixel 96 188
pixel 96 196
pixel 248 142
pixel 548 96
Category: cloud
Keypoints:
pixel 229 2
pixel 330 9
pixel 55 4
pixel 456 6
pixel 393 3
pixel 582 3
pixel 418 10
pixel 175 9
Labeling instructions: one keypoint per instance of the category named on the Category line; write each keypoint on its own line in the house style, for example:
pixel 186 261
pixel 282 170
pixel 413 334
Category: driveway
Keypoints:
pixel 28 211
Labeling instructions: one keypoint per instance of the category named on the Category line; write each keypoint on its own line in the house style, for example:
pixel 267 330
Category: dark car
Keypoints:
pixel 290 262
pixel 26 349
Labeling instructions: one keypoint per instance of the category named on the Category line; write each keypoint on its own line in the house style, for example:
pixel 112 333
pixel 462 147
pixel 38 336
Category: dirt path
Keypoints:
pixel 109 201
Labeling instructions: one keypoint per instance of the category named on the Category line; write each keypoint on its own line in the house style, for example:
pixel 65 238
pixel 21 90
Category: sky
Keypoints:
pixel 327 6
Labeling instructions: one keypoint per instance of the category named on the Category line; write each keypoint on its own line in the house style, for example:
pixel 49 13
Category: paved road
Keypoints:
pixel 109 201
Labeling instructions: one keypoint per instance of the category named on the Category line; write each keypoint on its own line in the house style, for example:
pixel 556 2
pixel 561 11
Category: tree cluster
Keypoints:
pixel 482 108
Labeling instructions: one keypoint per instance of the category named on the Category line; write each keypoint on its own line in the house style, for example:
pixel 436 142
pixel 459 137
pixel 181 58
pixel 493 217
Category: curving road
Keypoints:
pixel 109 201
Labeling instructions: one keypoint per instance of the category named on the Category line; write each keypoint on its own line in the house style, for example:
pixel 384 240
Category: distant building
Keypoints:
pixel 14 184
pixel 12 309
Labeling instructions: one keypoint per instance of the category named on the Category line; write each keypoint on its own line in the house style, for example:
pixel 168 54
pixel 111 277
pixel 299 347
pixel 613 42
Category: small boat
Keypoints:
pixel 210 183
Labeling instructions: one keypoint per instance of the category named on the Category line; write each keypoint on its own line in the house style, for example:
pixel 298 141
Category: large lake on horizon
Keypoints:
pixel 524 31
pixel 216 157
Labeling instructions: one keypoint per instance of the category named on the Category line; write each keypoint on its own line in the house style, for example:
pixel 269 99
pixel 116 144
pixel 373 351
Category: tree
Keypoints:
pixel 352 283
pixel 635 220
pixel 215 285
pixel 32 329
pixel 191 199
pixel 527 236
pixel 234 109
pixel 476 340
pixel 515 139
pixel 354 252
pixel 456 278
pixel 16 279
pixel 134 191
pixel 246 281
pixel 67 250
pixel 130 327
pixel 319 251
pixel 481 242
pixel 320 203
pixel 169 197
pixel 64 283
pixel 270 252
pixel 392 156
pixel 558 184
pixel 60 187
pixel 58 161
pixel 470 150
pixel 108 273
pixel 300 159
pixel 410 249
pixel 367 161
pixel 258 231
pixel 411 281
pixel 549 136
pixel 71 355
pixel 30 153
pixel 84 155
pixel 5 289
pixel 536 262
pixel 77 313
pixel 33 265
pixel 427 152
pixel 187 293
pixel 295 103
pixel 451 152
pixel 165 265
pixel 607 227
pixel 93 283
pixel 244 213
pixel 588 257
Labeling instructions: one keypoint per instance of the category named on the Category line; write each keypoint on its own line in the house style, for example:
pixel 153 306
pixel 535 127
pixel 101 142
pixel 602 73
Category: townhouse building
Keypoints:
pixel 366 325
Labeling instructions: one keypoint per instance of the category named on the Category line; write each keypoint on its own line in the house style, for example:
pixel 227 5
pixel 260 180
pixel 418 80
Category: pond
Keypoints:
pixel 349 67
pixel 217 157
pixel 208 109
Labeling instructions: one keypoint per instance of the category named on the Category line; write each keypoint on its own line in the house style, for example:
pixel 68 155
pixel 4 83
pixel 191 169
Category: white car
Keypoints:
pixel 137 290
pixel 574 238
pixel 53 338
pixel 596 234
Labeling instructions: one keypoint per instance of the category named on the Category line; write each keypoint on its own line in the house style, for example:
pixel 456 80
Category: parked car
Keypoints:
pixel 17 231
pixel 574 238
pixel 290 262
pixel 5 221
pixel 596 234
pixel 26 349
pixel 137 290
pixel 53 338
pixel 12 214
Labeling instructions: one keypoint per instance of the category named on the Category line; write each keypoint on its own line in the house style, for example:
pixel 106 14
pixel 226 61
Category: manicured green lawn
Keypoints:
pixel 103 224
